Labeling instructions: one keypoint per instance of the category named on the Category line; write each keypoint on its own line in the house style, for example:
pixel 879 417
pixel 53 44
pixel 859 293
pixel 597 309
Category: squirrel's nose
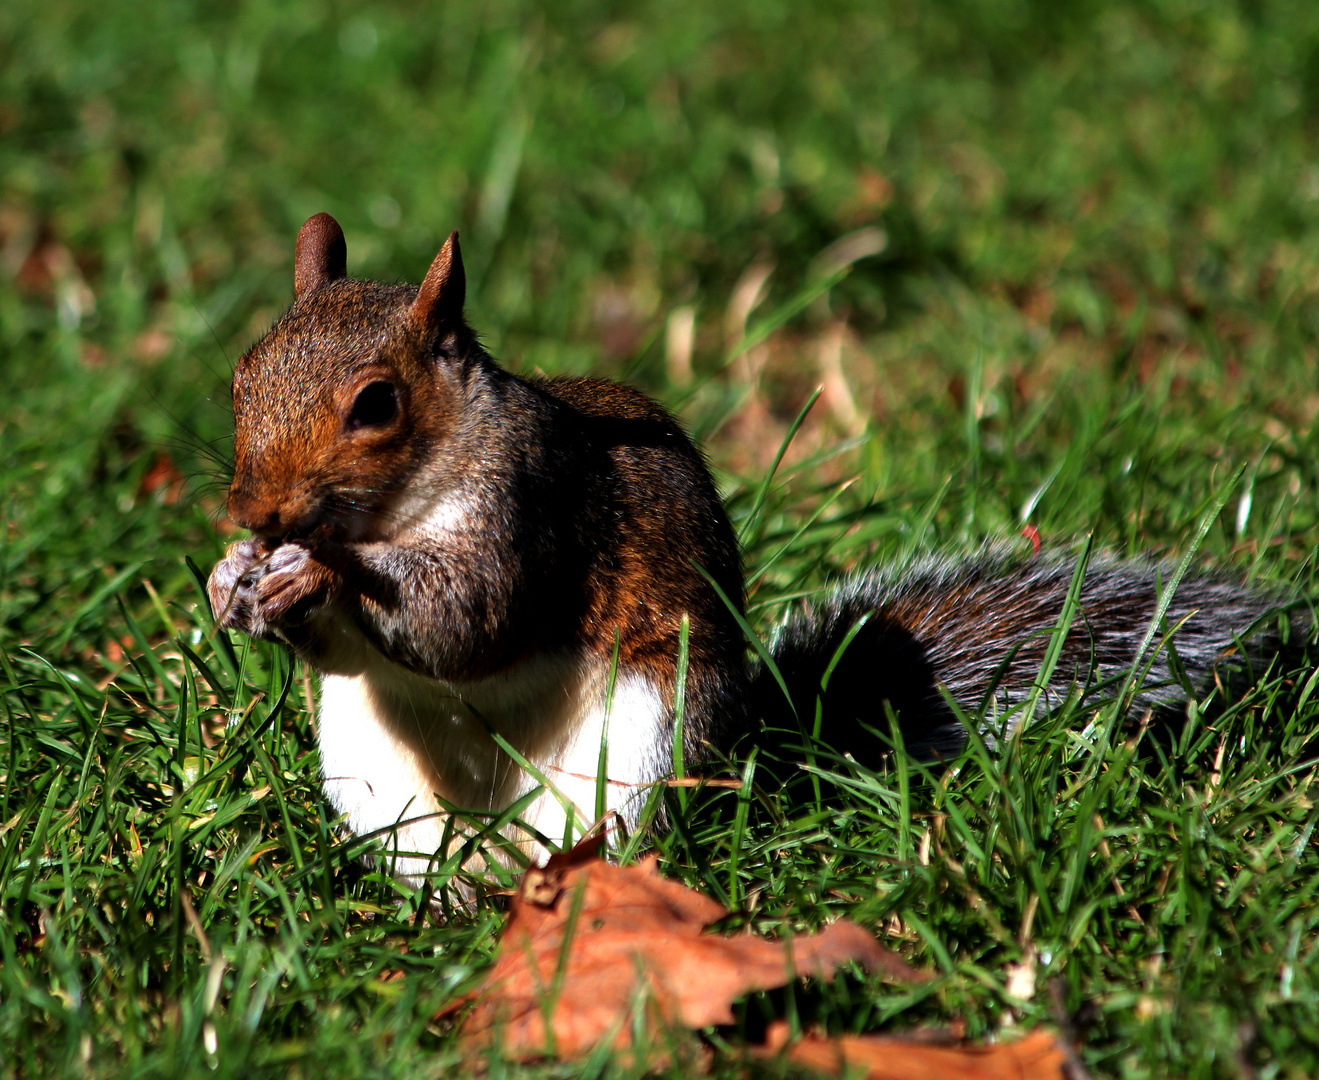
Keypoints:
pixel 261 516
pixel 278 518
pixel 263 523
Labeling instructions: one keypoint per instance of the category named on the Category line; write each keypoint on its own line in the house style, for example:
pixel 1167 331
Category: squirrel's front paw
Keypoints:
pixel 232 585
pixel 254 590
pixel 294 584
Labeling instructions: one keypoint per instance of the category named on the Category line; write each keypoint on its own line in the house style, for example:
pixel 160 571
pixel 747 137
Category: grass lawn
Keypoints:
pixel 1053 265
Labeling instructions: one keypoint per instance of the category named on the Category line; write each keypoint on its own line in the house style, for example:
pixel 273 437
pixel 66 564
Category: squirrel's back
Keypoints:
pixel 661 550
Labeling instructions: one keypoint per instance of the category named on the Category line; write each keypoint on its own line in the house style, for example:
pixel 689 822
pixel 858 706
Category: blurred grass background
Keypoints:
pixel 1072 258
pixel 1069 200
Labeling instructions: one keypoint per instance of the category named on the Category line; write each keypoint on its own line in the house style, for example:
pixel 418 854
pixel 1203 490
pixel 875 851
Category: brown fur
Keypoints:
pixel 295 389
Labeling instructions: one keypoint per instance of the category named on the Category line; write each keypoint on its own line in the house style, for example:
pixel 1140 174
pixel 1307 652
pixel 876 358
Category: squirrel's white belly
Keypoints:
pixel 392 740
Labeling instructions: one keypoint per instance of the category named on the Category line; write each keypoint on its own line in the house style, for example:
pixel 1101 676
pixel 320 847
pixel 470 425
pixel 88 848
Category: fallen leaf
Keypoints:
pixel 589 946
pixel 1036 1056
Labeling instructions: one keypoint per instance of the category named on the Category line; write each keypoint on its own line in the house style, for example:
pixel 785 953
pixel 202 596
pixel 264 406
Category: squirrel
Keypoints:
pixel 461 552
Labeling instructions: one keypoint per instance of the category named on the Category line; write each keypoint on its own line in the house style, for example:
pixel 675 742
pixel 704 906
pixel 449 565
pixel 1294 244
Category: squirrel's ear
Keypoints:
pixel 320 257
pixel 439 302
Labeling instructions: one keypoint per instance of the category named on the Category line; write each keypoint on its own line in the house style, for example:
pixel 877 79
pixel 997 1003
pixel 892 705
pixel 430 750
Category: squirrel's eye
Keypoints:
pixel 375 406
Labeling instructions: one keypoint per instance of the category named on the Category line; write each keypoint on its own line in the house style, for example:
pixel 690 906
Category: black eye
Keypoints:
pixel 375 406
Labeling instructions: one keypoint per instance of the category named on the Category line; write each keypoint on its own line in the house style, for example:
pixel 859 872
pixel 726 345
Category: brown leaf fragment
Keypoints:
pixel 590 945
pixel 1036 1056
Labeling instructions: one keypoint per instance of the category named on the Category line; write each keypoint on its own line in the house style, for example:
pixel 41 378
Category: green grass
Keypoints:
pixel 1095 304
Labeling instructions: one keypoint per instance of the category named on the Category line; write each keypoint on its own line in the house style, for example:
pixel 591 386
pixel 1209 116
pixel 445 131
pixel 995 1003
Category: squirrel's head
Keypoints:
pixel 339 405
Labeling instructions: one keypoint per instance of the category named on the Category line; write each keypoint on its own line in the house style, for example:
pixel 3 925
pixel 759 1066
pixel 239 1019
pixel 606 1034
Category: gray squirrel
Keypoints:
pixel 462 552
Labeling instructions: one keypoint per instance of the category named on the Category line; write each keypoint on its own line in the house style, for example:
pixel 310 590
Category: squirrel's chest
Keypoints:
pixel 391 741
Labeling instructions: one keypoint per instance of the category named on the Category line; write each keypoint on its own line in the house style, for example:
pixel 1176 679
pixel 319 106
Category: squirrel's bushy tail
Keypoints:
pixel 980 627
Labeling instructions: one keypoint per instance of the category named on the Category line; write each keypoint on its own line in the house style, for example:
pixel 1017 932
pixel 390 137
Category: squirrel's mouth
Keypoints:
pixel 310 534
pixel 316 525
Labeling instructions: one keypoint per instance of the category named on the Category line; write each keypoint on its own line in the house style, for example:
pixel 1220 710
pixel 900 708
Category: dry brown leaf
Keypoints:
pixel 1036 1056
pixel 588 943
